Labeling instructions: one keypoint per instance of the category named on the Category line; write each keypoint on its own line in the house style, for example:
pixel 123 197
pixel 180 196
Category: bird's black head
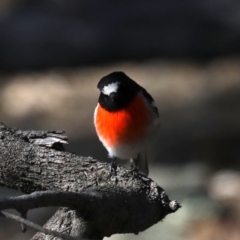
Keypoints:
pixel 117 91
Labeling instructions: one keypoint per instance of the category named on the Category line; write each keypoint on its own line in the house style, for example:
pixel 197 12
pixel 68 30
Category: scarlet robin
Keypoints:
pixel 126 120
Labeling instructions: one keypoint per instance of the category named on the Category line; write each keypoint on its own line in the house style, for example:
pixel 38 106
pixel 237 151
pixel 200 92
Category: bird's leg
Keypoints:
pixel 134 164
pixel 113 168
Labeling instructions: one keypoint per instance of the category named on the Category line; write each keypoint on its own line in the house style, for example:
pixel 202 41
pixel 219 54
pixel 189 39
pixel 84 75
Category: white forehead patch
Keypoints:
pixel 110 88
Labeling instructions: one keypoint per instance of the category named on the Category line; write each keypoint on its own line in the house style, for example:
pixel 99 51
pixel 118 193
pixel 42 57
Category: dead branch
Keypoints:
pixel 105 205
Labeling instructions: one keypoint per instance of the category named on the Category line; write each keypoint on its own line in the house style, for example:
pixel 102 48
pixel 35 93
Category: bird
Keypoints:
pixel 126 120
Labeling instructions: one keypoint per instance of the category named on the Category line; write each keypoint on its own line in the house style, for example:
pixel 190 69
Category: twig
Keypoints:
pixel 36 226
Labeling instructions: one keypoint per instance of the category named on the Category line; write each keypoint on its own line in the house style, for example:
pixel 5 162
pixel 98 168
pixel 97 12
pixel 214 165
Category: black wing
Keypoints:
pixel 150 100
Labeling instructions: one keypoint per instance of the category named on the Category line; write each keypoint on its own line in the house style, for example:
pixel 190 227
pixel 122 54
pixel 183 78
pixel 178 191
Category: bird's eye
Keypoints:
pixel 113 95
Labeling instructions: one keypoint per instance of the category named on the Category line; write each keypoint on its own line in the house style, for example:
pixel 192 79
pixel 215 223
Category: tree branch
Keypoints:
pixel 51 198
pixel 84 201
pixel 118 204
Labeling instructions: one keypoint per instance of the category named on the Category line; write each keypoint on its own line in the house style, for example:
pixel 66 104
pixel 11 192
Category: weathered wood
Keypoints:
pixel 130 203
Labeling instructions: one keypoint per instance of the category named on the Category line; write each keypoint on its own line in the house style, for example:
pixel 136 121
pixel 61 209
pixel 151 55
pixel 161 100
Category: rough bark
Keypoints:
pixel 130 203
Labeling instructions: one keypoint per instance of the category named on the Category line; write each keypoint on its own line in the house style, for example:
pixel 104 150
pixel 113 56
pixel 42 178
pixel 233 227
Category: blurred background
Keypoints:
pixel 185 53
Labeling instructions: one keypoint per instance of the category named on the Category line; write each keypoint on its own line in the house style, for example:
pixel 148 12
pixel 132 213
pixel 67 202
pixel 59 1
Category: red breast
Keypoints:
pixel 125 125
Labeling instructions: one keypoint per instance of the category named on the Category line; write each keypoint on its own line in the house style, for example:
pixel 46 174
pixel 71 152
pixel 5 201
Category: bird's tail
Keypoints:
pixel 142 163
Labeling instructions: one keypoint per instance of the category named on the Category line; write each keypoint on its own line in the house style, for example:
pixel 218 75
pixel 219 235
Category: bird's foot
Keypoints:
pixel 134 171
pixel 113 168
